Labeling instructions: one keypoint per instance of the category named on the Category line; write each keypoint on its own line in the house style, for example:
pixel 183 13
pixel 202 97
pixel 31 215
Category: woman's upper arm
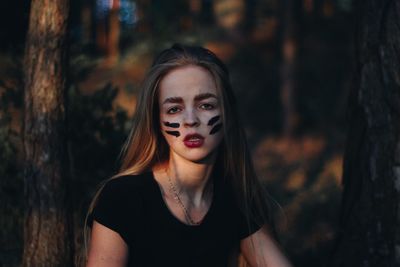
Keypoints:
pixel 261 250
pixel 107 248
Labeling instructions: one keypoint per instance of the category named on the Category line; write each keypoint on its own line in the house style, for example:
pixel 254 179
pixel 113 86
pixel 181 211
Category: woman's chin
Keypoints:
pixel 201 157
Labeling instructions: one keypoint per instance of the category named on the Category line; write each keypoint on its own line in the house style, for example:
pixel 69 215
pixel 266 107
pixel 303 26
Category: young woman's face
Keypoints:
pixel 190 113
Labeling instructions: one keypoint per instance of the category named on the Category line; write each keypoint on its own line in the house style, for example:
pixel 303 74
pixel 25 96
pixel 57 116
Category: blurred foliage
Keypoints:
pixel 13 23
pixel 304 174
pixel 97 130
pixel 11 181
pixel 96 134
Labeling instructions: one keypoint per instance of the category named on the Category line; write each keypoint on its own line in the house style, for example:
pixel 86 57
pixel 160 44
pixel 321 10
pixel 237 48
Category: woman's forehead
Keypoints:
pixel 187 82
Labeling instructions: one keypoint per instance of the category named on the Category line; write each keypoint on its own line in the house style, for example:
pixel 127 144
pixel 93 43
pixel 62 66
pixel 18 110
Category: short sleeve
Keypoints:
pixel 113 208
pixel 246 227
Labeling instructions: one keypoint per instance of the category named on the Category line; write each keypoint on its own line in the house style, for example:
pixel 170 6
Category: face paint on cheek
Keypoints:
pixel 213 120
pixel 173 133
pixel 216 128
pixel 171 124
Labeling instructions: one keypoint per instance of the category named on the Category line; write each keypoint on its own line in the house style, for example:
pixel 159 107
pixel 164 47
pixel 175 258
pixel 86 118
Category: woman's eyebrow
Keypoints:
pixel 199 97
pixel 204 96
pixel 173 100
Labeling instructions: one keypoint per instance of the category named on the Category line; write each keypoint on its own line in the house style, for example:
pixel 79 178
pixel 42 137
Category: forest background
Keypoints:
pixel 292 66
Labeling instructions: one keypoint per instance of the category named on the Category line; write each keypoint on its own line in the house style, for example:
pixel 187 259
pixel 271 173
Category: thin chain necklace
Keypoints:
pixel 178 199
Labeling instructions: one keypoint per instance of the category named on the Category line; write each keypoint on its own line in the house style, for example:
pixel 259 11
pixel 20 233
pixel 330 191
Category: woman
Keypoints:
pixel 186 194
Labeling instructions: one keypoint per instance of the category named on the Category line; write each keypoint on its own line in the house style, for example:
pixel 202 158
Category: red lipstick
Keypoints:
pixel 193 140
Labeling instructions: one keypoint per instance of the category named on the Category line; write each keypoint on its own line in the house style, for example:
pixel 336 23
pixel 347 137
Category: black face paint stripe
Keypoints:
pixel 171 124
pixel 213 120
pixel 216 128
pixel 174 133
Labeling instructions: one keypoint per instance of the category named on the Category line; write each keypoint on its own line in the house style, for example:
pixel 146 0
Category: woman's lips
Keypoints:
pixel 193 140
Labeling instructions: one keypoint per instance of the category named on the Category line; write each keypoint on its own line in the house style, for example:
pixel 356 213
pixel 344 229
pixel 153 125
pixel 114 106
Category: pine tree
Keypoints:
pixel 47 232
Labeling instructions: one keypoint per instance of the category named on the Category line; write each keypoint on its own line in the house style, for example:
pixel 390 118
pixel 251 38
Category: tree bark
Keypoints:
pixel 113 33
pixel 289 27
pixel 370 216
pixel 86 21
pixel 47 232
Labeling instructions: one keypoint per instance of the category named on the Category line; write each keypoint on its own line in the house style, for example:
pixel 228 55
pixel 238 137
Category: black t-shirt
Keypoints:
pixel 134 207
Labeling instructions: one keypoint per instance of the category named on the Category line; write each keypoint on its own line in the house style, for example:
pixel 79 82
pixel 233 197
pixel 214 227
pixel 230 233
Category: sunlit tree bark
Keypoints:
pixel 108 30
pixel 370 216
pixel 113 33
pixel 47 232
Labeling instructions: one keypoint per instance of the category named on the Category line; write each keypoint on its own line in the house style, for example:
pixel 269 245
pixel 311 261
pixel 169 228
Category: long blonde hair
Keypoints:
pixel 145 145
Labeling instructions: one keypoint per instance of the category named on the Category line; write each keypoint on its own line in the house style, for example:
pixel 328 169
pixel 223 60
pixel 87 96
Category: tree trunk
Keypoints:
pixel 113 33
pixel 289 26
pixel 370 216
pixel 86 21
pixel 47 235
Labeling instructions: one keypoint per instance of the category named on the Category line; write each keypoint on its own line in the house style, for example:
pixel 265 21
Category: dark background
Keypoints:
pixel 112 43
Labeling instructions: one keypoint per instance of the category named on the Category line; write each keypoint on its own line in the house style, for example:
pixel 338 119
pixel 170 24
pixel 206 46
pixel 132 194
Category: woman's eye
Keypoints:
pixel 206 106
pixel 173 110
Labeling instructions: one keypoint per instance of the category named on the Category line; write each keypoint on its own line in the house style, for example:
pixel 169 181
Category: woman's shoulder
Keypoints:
pixel 129 182
pixel 122 192
pixel 120 201
pixel 126 186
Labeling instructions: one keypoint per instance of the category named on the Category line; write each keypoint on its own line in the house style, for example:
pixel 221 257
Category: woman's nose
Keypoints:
pixel 191 119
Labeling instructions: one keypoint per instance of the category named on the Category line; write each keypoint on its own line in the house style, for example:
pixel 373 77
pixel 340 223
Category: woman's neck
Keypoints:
pixel 191 179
